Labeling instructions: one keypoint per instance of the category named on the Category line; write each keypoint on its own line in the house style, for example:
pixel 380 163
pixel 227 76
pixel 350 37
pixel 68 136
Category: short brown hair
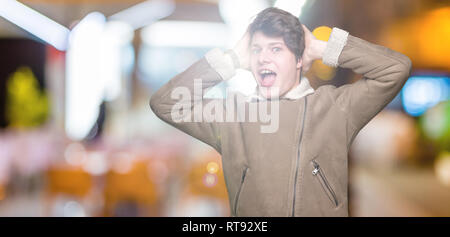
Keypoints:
pixel 274 22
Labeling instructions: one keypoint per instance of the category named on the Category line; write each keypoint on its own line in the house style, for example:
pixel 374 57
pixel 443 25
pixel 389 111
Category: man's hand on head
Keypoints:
pixel 314 49
pixel 242 51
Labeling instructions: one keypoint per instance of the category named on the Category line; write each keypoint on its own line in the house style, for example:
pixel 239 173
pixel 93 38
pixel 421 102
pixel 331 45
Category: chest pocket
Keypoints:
pixel 319 174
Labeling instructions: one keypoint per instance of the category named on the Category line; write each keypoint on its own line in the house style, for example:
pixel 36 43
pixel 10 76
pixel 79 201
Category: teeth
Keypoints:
pixel 265 71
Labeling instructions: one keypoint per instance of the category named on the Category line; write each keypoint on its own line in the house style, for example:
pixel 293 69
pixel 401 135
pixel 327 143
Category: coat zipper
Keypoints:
pixel 236 201
pixel 319 171
pixel 298 156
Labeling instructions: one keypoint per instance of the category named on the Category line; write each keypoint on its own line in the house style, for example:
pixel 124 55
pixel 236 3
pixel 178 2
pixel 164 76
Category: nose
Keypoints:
pixel 264 57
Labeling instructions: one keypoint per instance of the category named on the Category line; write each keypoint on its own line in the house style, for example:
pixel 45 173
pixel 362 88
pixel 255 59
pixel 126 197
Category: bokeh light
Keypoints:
pixel 436 124
pixel 319 69
pixel 422 92
pixel 212 167
pixel 442 168
pixel 89 144
pixel 322 33
pixel 210 180
pixel 75 154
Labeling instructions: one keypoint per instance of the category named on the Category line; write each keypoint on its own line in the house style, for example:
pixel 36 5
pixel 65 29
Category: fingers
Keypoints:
pixel 305 29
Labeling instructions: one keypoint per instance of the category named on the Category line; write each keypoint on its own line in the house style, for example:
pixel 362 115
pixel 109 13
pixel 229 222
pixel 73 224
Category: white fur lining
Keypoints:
pixel 301 90
pixel 336 43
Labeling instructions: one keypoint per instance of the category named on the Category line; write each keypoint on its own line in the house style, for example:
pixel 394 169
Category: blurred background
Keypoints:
pixel 77 136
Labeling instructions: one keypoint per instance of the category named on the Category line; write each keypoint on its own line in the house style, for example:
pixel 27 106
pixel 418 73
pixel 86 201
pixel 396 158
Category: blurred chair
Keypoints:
pixel 2 192
pixel 67 181
pixel 129 192
pixel 205 193
pixel 206 177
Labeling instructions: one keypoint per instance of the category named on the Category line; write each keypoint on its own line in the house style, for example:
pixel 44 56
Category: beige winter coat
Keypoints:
pixel 301 169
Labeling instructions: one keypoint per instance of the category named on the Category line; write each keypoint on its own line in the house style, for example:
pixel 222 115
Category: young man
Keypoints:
pixel 301 168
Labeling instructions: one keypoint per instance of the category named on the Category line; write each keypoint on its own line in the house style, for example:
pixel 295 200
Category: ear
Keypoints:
pixel 299 63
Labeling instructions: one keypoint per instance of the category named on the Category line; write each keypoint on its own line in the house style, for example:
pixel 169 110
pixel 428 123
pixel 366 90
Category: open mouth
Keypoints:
pixel 267 77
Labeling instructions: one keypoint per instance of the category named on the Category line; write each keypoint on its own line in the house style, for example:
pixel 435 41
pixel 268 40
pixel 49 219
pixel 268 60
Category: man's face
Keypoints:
pixel 273 65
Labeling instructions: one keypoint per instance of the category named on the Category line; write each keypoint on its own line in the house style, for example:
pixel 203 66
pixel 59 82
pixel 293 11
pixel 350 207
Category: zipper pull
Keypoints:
pixel 316 167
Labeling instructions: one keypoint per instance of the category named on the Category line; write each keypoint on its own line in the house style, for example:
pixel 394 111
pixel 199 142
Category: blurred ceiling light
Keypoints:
pixel 116 35
pixel 239 14
pixel 95 59
pixel 423 92
pixel 118 32
pixel 185 34
pixel 84 86
pixel 292 6
pixel 144 13
pixel 34 22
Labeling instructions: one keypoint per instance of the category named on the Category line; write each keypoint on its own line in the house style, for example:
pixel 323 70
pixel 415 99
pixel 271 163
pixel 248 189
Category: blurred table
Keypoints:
pixel 397 192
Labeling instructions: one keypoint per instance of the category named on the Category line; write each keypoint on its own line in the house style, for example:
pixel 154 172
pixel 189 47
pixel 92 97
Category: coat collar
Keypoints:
pixel 301 90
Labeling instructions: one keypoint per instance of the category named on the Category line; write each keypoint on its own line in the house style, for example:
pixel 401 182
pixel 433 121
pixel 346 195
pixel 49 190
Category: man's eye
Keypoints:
pixel 255 51
pixel 276 49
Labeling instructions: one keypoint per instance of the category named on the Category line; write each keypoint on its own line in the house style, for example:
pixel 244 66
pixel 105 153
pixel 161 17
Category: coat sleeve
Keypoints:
pixel 179 104
pixel 384 72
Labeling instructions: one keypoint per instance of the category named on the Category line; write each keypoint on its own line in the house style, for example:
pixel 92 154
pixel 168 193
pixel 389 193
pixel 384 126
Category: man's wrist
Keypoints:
pixel 221 62
pixel 319 47
pixel 234 56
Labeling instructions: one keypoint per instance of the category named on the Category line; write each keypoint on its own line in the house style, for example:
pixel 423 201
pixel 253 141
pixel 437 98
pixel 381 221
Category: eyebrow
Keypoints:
pixel 270 44
pixel 275 43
